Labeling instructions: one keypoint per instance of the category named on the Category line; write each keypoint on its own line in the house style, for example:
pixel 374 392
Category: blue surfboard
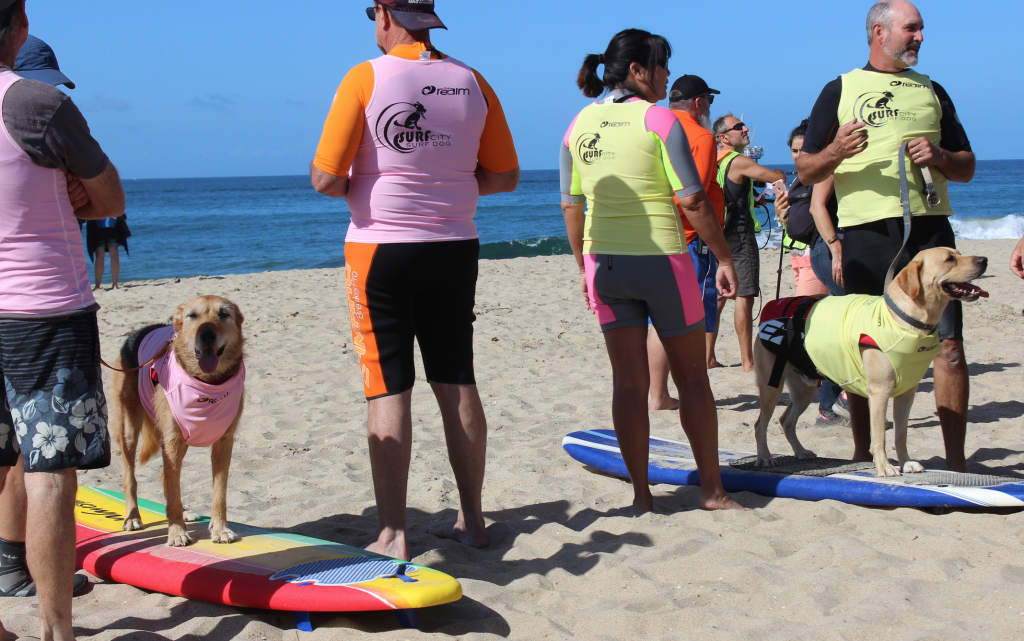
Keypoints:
pixel 671 463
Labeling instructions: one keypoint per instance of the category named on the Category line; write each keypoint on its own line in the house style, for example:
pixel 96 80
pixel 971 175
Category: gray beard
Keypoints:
pixel 906 54
pixel 705 120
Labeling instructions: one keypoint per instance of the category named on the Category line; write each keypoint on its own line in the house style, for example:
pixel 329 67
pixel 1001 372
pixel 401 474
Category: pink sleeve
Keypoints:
pixel 660 120
pixel 565 139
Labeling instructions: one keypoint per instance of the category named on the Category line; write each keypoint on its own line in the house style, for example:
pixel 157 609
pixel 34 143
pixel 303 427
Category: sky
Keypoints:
pixel 231 88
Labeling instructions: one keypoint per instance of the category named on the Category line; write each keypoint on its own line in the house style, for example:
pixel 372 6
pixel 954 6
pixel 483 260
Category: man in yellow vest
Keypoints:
pixel 736 174
pixel 855 132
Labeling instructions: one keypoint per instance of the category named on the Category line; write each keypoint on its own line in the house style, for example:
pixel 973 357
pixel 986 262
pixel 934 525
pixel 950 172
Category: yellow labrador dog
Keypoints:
pixel 878 347
pixel 189 391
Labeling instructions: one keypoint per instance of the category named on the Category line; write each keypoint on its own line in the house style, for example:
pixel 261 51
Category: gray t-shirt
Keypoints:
pixel 48 126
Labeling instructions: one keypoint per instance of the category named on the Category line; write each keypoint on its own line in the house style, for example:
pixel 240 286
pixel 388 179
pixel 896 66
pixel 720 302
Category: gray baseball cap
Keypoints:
pixel 36 61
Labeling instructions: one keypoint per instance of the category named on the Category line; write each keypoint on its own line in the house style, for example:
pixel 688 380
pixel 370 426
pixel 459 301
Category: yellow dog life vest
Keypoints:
pixel 833 335
pixel 897 108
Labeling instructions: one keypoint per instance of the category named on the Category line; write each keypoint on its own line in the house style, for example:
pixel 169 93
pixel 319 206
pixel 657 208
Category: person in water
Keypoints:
pixel 630 248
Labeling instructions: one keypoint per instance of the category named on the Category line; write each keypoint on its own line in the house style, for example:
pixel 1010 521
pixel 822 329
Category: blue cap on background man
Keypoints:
pixel 36 61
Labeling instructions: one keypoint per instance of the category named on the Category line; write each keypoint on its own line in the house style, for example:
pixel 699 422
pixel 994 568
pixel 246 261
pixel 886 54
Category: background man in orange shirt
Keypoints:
pixel 690 99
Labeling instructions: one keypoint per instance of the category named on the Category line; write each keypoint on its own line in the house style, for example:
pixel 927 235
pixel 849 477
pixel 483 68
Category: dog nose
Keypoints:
pixel 982 262
pixel 207 336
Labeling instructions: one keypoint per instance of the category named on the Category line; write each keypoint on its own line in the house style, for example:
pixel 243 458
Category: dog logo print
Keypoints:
pixel 588 150
pixel 878 108
pixel 398 127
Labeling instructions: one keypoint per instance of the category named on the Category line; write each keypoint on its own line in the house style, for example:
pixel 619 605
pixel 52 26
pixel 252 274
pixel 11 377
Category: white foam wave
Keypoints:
pixel 1011 226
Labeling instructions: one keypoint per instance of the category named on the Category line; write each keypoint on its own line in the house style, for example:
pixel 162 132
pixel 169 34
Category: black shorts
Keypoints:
pixel 869 249
pixel 55 414
pixel 401 291
pixel 746 260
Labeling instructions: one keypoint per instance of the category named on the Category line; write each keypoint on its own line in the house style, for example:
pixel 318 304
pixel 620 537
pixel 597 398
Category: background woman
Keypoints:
pixel 101 236
pixel 628 157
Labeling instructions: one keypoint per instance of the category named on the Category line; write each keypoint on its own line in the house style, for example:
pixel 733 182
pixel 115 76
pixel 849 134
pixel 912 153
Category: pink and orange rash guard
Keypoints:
pixel 627 158
pixel 408 129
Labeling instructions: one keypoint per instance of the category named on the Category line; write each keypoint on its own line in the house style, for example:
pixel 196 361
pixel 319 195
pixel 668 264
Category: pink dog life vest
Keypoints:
pixel 203 412
pixel 42 261
pixel 412 179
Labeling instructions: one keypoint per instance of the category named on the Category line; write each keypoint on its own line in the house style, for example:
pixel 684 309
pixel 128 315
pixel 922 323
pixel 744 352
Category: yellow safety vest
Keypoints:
pixel 897 108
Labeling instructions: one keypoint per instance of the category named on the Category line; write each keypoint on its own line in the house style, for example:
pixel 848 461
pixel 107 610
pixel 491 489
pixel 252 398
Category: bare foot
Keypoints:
pixel 95 288
pixel 719 501
pixel 748 368
pixel 638 508
pixel 395 549
pixel 474 537
pixel 114 287
pixel 862 457
pixel 666 403
pixel 713 363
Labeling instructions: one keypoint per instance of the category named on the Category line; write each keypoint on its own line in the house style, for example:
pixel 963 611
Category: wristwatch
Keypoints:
pixel 834 238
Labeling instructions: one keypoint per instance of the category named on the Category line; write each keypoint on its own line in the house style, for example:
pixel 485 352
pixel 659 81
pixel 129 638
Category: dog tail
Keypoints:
pixel 150 440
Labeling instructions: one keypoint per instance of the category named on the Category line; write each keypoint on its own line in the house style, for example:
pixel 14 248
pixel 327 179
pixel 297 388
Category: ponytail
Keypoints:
pixel 587 79
pixel 627 47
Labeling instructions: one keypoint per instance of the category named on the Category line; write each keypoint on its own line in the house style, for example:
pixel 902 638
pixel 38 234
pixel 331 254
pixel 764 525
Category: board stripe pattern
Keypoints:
pixel 338 572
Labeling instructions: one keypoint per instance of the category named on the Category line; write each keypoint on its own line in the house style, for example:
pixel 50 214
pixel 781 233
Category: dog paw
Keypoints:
pixel 190 516
pixel 912 467
pixel 224 536
pixel 806 455
pixel 131 525
pixel 177 537
pixel 887 470
pixel 765 461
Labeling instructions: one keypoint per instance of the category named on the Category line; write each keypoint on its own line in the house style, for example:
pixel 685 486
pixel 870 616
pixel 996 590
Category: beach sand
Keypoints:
pixel 561 564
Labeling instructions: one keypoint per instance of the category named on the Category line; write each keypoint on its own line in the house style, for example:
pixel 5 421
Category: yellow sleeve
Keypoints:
pixel 497 150
pixel 343 130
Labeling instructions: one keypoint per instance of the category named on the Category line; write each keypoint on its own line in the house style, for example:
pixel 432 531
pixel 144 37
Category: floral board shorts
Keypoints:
pixel 54 414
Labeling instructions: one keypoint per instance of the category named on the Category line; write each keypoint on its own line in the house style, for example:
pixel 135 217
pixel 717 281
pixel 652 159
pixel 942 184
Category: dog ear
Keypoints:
pixel 909 279
pixel 238 316
pixel 178 313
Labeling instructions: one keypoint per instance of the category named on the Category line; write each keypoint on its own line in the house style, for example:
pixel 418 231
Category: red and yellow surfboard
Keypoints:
pixel 263 569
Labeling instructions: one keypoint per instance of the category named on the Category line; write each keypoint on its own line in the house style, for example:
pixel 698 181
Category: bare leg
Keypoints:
pixel 101 252
pixel 627 350
pixel 699 417
pixel 115 266
pixel 13 504
pixel 712 338
pixel 952 393
pixel 389 432
pixel 51 548
pixel 465 430
pixel 660 397
pixel 744 319
pixel 860 426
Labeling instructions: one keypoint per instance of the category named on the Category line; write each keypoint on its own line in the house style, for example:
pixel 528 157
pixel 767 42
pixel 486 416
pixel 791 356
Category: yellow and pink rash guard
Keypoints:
pixel 628 157
pixel 408 130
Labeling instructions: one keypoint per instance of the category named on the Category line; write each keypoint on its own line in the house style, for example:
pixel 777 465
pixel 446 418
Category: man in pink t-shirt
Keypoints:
pixel 53 422
pixel 412 140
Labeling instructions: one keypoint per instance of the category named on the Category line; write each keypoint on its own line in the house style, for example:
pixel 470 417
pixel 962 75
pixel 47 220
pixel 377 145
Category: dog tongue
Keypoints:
pixel 208 361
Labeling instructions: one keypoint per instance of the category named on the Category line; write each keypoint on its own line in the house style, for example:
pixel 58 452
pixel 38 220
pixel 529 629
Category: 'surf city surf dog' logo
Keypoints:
pixel 431 90
pixel 398 129
pixel 878 108
pixel 587 149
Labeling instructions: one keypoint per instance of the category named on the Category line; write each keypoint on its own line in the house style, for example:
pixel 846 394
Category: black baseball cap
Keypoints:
pixel 411 15
pixel 6 12
pixel 690 86
pixel 36 61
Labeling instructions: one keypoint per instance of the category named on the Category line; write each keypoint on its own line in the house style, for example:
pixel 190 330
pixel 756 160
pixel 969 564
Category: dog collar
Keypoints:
pixel 913 322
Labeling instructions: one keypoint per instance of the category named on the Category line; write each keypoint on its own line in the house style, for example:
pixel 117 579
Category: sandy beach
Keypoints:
pixel 561 564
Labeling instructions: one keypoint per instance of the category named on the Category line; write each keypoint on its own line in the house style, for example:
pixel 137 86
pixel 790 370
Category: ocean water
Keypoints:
pixel 185 227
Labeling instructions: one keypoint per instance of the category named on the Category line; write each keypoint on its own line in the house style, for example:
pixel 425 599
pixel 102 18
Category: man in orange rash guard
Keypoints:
pixel 412 140
pixel 690 99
